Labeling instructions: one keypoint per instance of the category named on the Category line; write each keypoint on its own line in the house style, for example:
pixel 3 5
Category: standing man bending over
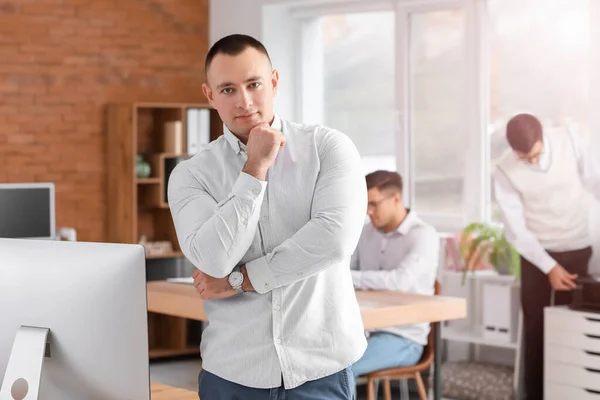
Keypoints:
pixel 397 251
pixel 270 213
pixel 542 186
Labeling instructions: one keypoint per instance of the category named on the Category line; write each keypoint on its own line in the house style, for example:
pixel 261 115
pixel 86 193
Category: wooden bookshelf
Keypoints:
pixel 137 206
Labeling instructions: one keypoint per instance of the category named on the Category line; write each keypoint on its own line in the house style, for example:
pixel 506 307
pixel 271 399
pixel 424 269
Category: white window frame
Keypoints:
pixel 302 103
pixel 405 143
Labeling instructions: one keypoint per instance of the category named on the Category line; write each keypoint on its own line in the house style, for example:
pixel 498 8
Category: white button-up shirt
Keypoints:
pixel 405 260
pixel 510 203
pixel 296 233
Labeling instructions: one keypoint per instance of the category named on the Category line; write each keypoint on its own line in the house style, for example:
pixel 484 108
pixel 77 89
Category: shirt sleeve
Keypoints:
pixel 589 168
pixel 214 236
pixel 337 215
pixel 422 258
pixel 515 226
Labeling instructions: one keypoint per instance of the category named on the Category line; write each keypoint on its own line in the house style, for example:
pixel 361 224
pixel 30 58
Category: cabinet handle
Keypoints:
pixel 591 353
pixel 592 319
pixel 597 371
pixel 592 391
pixel 592 336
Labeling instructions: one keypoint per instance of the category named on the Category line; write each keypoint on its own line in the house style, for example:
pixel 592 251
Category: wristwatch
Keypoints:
pixel 235 279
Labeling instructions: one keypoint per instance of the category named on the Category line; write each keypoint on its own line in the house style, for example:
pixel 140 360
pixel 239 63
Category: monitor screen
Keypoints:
pixel 27 210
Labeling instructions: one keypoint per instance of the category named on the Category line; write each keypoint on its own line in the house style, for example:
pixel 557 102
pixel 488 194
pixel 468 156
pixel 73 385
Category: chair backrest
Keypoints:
pixel 429 351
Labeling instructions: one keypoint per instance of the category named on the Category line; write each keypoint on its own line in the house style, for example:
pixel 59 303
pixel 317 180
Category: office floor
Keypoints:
pixel 184 374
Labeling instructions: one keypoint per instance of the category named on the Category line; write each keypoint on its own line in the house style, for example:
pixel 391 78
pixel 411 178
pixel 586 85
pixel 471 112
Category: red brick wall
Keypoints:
pixel 62 61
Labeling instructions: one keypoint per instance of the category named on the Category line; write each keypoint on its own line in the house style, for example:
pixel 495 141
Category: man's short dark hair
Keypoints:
pixel 384 180
pixel 233 45
pixel 523 131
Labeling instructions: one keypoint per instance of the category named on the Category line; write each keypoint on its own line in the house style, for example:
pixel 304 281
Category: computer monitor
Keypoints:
pixel 91 300
pixel 27 210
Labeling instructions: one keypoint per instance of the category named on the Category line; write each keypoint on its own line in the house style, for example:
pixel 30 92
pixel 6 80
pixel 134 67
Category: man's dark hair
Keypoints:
pixel 523 131
pixel 233 45
pixel 384 180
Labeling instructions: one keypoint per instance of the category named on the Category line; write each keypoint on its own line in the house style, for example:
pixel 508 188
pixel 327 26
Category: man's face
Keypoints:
pixel 382 206
pixel 241 88
pixel 533 157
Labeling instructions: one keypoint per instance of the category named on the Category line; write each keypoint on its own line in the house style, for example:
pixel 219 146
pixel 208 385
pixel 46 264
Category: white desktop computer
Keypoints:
pixel 73 321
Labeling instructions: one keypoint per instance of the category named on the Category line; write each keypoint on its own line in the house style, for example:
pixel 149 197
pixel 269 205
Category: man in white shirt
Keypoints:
pixel 542 188
pixel 396 251
pixel 270 214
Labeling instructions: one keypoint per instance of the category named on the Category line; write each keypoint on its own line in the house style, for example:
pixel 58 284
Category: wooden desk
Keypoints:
pixel 379 309
pixel 158 391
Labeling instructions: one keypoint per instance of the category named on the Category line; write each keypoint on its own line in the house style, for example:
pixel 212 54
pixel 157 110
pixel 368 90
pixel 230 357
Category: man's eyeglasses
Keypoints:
pixel 374 204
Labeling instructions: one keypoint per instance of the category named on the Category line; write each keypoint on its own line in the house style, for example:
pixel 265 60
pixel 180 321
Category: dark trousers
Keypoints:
pixel 339 386
pixel 535 295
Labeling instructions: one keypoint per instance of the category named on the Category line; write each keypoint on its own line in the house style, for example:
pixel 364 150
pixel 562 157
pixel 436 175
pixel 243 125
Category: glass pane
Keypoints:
pixel 437 88
pixel 359 87
pixel 540 62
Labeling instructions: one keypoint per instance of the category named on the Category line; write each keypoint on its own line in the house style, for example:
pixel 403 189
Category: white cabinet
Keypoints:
pixel 571 354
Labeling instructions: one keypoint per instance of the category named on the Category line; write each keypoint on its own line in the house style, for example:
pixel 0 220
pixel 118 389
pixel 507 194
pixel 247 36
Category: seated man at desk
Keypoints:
pixel 396 251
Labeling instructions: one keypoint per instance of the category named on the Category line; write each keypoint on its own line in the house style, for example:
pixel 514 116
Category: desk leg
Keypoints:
pixel 437 363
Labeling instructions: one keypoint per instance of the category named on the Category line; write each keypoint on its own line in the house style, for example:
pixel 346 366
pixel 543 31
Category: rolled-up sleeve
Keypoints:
pixel 214 236
pixel 337 217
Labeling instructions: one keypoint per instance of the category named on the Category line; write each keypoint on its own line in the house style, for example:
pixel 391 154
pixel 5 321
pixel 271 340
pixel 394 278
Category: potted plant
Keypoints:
pixel 483 243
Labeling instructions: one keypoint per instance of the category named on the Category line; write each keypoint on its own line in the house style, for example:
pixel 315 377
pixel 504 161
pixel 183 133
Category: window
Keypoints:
pixel 426 87
pixel 358 83
pixel 438 123
pixel 540 64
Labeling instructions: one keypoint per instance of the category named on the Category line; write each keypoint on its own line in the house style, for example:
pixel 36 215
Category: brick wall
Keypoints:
pixel 62 61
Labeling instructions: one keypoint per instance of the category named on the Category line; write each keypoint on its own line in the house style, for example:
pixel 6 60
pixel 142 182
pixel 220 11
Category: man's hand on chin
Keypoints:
pixel 212 288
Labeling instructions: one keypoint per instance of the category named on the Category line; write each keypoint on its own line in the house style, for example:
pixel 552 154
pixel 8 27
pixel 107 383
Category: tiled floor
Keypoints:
pixel 184 374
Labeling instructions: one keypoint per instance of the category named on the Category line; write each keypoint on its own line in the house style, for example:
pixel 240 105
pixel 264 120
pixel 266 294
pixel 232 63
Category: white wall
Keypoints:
pixel 235 16
pixel 247 16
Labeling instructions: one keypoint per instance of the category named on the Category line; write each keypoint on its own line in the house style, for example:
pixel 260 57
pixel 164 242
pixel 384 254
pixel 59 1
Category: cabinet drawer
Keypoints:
pixel 554 391
pixel 570 356
pixel 569 375
pixel 572 340
pixel 570 321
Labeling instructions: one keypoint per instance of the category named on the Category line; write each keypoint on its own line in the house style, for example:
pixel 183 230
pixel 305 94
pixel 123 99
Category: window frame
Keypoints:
pixel 477 179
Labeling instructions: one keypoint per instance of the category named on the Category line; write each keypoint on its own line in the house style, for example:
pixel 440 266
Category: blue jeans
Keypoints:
pixel 386 350
pixel 339 386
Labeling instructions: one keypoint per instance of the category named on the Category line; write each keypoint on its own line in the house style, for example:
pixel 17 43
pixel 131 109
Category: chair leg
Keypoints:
pixel 404 393
pixel 370 388
pixel 420 386
pixel 387 390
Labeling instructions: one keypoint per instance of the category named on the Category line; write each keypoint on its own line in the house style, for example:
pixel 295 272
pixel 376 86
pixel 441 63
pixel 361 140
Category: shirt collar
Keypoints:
pixel 545 157
pixel 409 221
pixel 237 145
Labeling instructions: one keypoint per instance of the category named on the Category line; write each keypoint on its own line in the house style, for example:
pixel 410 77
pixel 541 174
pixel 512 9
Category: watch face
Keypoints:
pixel 236 278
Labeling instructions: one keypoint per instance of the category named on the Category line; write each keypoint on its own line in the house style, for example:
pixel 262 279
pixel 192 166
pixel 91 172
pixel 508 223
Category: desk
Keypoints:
pixel 158 391
pixel 379 309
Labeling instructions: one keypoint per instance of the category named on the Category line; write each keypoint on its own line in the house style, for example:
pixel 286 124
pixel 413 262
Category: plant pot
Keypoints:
pixel 503 269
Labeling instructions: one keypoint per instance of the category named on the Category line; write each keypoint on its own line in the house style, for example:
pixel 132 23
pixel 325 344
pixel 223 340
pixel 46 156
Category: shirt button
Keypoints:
pixel 276 307
pixel 278 341
pixel 264 219
pixel 244 220
pixel 255 191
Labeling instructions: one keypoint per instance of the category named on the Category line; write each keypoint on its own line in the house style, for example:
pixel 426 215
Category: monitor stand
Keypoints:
pixel 24 369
